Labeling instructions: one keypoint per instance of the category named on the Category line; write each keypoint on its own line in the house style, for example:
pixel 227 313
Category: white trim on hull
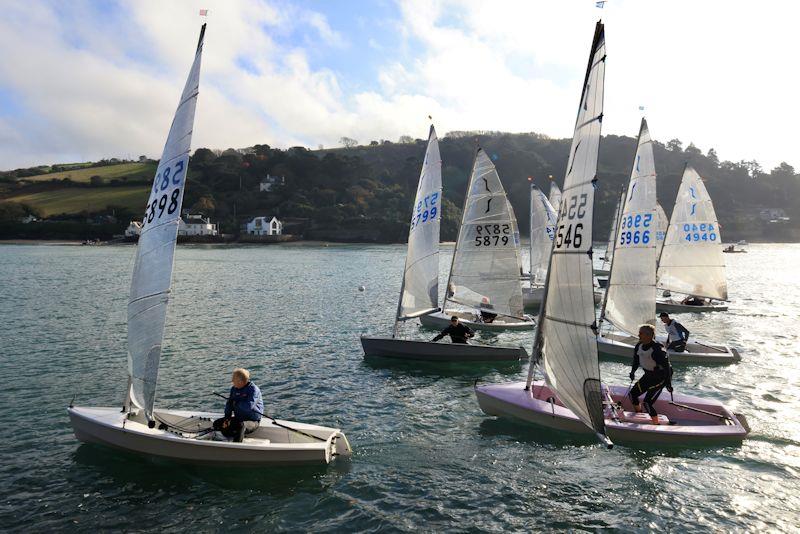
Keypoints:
pixel 686 428
pixel 441 320
pixel 406 349
pixel 619 348
pixel 672 306
pixel 269 445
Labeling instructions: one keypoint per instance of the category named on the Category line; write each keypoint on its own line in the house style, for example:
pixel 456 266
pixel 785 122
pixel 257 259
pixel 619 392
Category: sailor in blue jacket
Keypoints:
pixel 244 408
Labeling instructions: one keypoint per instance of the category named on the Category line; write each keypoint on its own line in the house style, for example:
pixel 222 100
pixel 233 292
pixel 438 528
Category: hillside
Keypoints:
pixel 364 193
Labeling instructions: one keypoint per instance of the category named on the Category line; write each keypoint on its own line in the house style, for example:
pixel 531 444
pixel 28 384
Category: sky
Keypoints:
pixel 84 80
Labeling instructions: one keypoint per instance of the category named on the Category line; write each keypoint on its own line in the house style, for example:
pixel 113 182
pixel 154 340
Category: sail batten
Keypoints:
pixel 486 264
pixel 631 292
pixel 420 290
pixel 152 272
pixel 566 335
pixel 691 259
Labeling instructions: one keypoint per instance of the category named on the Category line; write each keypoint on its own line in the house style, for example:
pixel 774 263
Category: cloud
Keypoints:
pixel 92 80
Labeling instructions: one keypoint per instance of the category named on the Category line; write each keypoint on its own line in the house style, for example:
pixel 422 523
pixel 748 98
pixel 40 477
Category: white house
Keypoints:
pixel 268 225
pixel 196 225
pixel 134 229
pixel 271 181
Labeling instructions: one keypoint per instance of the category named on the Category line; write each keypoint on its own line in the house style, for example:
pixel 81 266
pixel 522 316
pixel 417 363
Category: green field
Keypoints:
pixel 132 171
pixel 78 199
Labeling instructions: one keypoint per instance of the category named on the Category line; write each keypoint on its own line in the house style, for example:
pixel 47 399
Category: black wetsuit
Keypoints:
pixel 657 374
pixel 458 333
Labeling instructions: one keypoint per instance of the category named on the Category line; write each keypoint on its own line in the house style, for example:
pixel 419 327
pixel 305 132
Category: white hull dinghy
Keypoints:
pixel 440 320
pixel 572 398
pixel 419 294
pixel 683 421
pixel 674 306
pixel 613 346
pixel 188 437
pixel 485 271
pixel 403 349
pixel 182 435
pixel 691 261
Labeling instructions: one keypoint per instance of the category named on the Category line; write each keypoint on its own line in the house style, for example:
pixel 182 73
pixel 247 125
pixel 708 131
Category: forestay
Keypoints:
pixel 661 228
pixel 691 260
pixel 631 299
pixel 152 271
pixel 486 263
pixel 420 294
pixel 566 335
pixel 543 221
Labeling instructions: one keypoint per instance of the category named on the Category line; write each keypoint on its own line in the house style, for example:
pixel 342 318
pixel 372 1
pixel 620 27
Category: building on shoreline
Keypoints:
pixel 266 225
pixel 191 225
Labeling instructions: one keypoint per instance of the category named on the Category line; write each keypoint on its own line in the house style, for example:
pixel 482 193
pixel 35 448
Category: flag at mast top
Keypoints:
pixel 203 12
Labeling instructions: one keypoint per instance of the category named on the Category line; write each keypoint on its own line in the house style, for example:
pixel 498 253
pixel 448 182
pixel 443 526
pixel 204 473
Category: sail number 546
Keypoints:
pixel 570 231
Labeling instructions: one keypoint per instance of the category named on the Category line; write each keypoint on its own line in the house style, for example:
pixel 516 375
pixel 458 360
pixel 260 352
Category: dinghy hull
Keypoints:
pixel 688 425
pixel 441 320
pixel 671 306
pixel 619 348
pixel 406 349
pixel 269 445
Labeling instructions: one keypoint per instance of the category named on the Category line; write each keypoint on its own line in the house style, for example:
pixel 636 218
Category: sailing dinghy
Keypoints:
pixel 485 271
pixel 630 299
pixel 572 397
pixel 691 261
pixel 419 294
pixel 178 434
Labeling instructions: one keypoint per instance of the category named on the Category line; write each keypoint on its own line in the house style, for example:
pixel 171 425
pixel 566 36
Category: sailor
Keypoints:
pixel 459 333
pixel 650 356
pixel 691 300
pixel 677 334
pixel 488 317
pixel 244 408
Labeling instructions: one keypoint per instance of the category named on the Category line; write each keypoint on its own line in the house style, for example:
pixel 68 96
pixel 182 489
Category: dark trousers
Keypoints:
pixel 651 384
pixel 456 339
pixel 677 346
pixel 235 429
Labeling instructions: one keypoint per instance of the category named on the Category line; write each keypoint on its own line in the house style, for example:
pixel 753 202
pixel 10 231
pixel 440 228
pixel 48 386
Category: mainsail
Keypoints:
pixel 420 293
pixel 631 293
pixel 555 196
pixel 152 272
pixel 543 222
pixel 691 261
pixel 566 334
pixel 661 228
pixel 486 263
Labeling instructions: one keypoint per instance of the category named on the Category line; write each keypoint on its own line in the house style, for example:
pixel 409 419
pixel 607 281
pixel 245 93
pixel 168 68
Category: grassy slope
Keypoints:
pixel 75 200
pixel 133 171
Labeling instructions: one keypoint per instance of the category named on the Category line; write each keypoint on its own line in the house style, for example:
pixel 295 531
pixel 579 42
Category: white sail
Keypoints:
pixel 631 293
pixel 661 228
pixel 691 261
pixel 608 256
pixel 420 293
pixel 566 335
pixel 555 196
pixel 152 272
pixel 543 223
pixel 486 263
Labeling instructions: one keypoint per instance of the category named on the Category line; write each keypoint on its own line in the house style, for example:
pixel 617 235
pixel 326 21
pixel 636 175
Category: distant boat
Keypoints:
pixel 542 230
pixel 419 294
pixel 691 261
pixel 484 288
pixel 572 397
pixel 630 299
pixel 179 434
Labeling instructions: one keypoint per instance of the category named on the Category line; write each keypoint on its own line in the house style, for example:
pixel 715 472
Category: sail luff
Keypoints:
pixel 567 335
pixel 631 292
pixel 555 196
pixel 691 259
pixel 420 288
pixel 542 230
pixel 152 272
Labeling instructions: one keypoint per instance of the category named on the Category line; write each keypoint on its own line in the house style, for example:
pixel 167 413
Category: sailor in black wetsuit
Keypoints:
pixel 459 333
pixel 650 356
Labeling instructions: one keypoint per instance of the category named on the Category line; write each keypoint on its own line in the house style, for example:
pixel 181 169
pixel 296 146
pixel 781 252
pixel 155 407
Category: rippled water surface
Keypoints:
pixel 425 457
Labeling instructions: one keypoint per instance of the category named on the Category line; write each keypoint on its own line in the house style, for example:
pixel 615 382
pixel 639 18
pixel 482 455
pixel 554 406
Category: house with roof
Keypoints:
pixel 266 225
pixel 190 225
pixel 269 182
